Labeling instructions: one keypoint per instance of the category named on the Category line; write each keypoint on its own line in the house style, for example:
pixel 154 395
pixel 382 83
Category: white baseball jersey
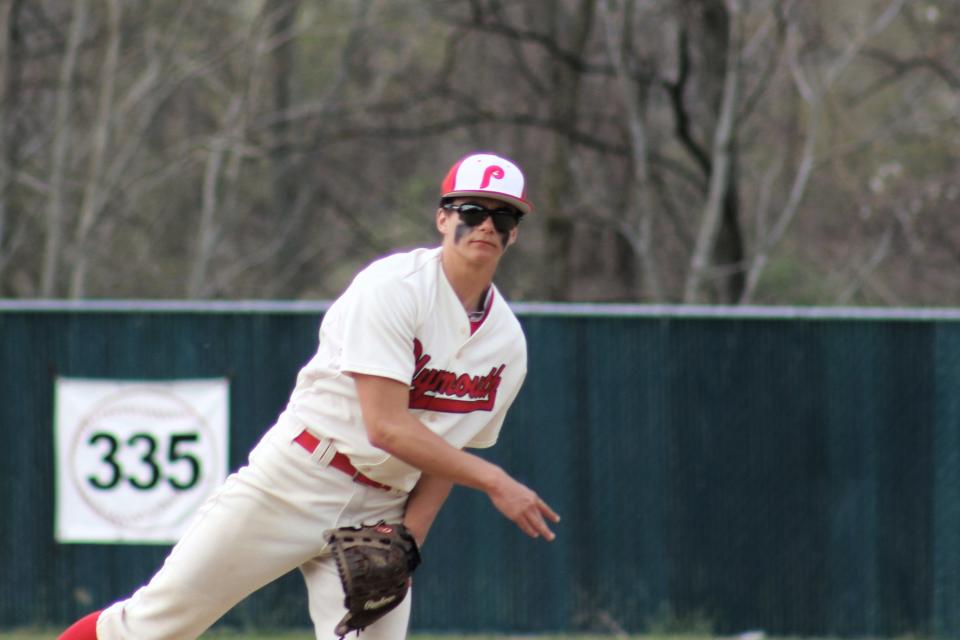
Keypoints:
pixel 401 319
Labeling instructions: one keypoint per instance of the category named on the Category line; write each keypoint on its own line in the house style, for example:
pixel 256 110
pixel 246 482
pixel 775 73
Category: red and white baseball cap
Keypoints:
pixel 488 176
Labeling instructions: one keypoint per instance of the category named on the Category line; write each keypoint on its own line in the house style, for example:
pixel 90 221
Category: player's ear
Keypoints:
pixel 441 220
pixel 513 235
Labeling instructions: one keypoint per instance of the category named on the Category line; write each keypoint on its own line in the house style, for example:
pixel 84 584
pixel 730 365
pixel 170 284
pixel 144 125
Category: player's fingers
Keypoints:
pixel 540 526
pixel 547 511
pixel 545 531
pixel 526 527
pixel 548 535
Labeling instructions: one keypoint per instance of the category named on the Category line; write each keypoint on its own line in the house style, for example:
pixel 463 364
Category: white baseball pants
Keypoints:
pixel 267 519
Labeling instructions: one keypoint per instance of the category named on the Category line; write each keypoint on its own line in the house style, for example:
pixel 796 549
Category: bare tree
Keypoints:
pixel 813 90
pixel 91 206
pixel 721 165
pixel 633 86
pixel 63 135
pixel 8 97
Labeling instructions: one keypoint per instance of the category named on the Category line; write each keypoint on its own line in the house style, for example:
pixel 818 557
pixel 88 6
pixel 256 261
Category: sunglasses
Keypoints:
pixel 473 214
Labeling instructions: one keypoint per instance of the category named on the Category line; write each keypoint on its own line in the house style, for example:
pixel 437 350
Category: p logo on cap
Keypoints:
pixel 488 176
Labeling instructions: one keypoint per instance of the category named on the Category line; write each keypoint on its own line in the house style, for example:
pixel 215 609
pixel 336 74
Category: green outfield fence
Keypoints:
pixel 790 470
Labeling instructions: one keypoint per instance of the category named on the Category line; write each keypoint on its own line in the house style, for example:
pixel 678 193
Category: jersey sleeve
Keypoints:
pixel 379 327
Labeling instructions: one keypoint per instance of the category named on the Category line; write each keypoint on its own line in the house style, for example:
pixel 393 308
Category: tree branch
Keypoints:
pixel 675 92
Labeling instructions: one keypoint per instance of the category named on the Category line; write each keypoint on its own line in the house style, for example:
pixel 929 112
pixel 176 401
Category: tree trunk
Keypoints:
pixel 93 198
pixel 559 179
pixel 9 89
pixel 618 29
pixel 729 251
pixel 284 182
pixel 62 136
pixel 720 210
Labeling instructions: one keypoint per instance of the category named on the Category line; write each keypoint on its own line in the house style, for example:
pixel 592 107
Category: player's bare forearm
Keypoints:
pixel 424 504
pixel 391 427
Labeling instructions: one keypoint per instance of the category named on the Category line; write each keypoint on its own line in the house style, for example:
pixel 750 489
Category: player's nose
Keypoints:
pixel 487 225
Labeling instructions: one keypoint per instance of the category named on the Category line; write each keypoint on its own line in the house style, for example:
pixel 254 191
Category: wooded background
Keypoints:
pixel 677 151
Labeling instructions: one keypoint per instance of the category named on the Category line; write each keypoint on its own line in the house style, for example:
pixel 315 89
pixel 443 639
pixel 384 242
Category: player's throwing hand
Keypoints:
pixel 524 507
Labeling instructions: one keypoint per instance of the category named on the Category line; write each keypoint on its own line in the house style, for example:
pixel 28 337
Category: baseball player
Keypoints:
pixel 418 359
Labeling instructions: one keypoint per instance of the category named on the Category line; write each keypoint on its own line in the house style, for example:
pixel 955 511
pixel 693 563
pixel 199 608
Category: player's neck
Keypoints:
pixel 469 281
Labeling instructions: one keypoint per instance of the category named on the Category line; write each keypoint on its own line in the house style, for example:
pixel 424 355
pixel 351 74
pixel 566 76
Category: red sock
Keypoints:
pixel 83 629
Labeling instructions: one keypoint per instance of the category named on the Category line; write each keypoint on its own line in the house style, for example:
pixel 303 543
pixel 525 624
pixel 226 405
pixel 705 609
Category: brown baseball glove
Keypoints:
pixel 375 563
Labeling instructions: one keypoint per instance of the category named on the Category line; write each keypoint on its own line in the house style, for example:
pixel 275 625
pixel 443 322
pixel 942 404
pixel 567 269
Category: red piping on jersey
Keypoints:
pixel 475 324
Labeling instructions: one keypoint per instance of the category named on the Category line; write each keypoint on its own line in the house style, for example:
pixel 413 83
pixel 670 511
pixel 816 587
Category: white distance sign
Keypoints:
pixel 136 458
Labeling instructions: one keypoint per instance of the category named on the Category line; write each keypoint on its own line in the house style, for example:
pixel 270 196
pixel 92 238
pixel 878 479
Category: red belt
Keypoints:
pixel 340 462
